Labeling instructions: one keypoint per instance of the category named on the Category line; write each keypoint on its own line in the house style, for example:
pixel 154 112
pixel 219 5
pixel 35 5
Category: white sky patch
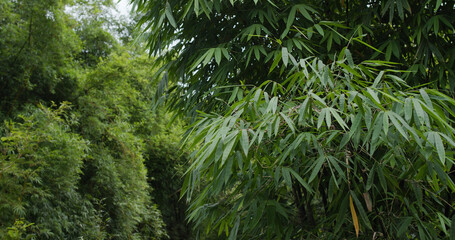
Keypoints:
pixel 123 7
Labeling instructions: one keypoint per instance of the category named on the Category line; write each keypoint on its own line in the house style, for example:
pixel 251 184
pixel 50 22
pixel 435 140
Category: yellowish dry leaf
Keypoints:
pixel 355 220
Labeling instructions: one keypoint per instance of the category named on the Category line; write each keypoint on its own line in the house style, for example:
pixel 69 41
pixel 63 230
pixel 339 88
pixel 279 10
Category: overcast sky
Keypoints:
pixel 123 6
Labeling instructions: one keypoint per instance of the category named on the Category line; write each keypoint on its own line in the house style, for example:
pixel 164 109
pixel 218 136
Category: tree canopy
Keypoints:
pixel 312 119
pixel 221 43
pixel 81 148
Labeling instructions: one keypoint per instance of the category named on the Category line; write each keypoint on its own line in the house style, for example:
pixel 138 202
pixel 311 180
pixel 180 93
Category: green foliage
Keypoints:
pixel 80 172
pixel 36 51
pixel 77 171
pixel 304 126
pixel 93 30
pixel 110 114
pixel 284 165
pixel 166 162
pixel 40 168
pixel 18 230
pixel 243 42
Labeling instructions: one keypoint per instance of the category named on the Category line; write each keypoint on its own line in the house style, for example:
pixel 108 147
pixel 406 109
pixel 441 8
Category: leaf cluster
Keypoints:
pixel 331 139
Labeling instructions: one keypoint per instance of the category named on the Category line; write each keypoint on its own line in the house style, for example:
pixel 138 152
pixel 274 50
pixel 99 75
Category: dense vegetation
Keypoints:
pixel 312 119
pixel 83 155
pixel 306 120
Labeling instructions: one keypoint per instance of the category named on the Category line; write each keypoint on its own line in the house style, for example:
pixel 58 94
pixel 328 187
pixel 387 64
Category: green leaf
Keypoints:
pixel 385 123
pixel 303 10
pixel 291 17
pixel 378 79
pixel 334 162
pixel 419 111
pixel 272 105
pixel 322 116
pixel 370 178
pixel 377 127
pixel 288 121
pixel 169 16
pixel 349 57
pixel 426 98
pixel 452 228
pixel 218 55
pixel 303 110
pixel 404 226
pixel 408 109
pixel 300 180
pixel 275 62
pixel 356 124
pixel 381 177
pixel 317 167
pixel 225 53
pixel 362 212
pixel 418 193
pixel 350 70
pixel 393 117
pixel 287 177
pixel 438 4
pixel 244 141
pixel 208 56
pixel 319 29
pixel 231 141
pixel 338 118
pixel 285 55
pixel 235 229
pixel 436 141
pixel 442 221
pixel 374 97
pixel 328 118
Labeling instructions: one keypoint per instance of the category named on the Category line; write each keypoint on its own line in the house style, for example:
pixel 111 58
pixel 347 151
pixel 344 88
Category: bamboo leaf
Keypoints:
pixel 287 177
pixel 218 55
pixel 169 15
pixel 322 116
pixel 291 17
pixel 285 55
pixel 452 228
pixel 404 226
pixel 426 98
pixel 374 96
pixel 339 119
pixel 319 29
pixel 370 178
pixel 397 125
pixel 419 111
pixel 377 79
pixel 408 109
pixel 355 220
pixel 435 139
pixel 275 62
pixel 317 168
pixel 231 141
pixel 385 123
pixel 244 141
pixel 225 53
pixel 368 202
pixel 273 104
pixel 300 180
pixel 288 121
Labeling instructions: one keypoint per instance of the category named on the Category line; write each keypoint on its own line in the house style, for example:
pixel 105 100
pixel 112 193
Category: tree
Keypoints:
pixel 304 127
pixel 40 167
pixel 112 111
pixel 95 28
pixel 70 171
pixel 79 172
pixel 36 52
